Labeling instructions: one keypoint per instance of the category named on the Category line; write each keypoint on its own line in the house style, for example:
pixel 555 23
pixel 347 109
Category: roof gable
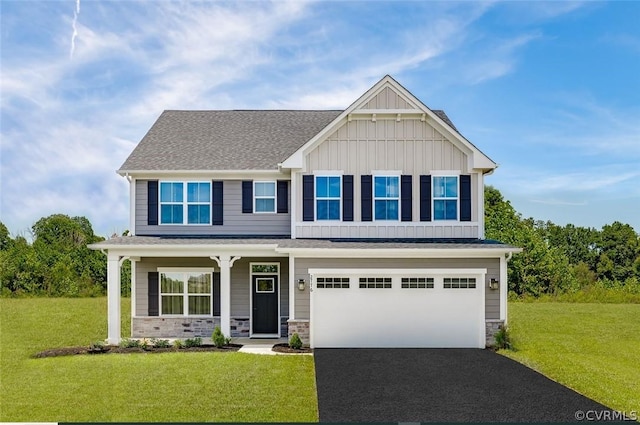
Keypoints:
pixel 388 97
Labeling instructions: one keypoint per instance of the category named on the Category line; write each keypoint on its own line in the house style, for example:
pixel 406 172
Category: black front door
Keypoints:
pixel 264 292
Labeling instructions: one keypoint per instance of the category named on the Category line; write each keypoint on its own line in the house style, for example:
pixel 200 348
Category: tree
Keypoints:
pixel 539 268
pixel 620 247
pixel 5 238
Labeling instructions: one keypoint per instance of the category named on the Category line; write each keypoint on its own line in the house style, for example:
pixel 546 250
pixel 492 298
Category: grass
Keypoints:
pixel 174 387
pixel 592 348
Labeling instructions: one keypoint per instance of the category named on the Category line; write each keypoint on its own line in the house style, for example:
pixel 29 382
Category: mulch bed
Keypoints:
pixel 284 348
pixel 114 349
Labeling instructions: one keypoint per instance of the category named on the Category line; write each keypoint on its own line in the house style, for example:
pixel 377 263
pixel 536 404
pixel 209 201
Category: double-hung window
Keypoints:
pixel 176 208
pixel 386 197
pixel 328 195
pixel 264 198
pixel 445 197
pixel 186 293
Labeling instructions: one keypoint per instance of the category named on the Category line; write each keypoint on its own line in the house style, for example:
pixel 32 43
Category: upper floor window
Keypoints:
pixel 264 197
pixel 328 197
pixel 175 207
pixel 445 197
pixel 386 197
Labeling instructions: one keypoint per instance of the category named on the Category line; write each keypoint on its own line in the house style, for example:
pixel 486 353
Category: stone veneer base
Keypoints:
pixel 190 327
pixel 492 326
pixel 301 327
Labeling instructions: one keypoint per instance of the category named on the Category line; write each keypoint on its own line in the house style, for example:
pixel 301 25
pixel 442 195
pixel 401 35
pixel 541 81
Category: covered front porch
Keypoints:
pixel 184 288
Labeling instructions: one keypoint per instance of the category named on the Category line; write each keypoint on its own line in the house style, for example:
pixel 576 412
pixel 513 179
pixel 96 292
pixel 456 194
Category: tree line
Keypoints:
pixel 556 259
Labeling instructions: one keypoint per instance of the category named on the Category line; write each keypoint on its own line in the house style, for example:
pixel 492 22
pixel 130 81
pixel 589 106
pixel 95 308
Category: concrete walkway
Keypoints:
pixel 258 345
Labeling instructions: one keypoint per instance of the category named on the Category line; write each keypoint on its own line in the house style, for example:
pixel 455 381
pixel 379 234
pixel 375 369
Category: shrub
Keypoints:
pixel 160 343
pixel 129 343
pixel 218 337
pixel 97 347
pixel 295 342
pixel 503 339
pixel 178 344
pixel 144 344
pixel 193 342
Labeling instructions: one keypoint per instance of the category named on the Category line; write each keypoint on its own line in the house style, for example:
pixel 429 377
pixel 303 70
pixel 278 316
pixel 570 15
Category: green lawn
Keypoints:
pixel 176 387
pixel 592 348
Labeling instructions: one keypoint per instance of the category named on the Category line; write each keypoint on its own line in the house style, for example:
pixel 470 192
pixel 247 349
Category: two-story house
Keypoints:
pixel 353 228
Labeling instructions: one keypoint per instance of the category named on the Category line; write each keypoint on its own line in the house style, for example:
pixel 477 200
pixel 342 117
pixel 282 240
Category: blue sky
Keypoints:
pixel 549 90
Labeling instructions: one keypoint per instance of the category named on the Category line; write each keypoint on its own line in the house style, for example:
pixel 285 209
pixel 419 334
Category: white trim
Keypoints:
pixel 292 288
pixel 374 198
pixel 206 174
pixel 185 202
pixel 132 206
pixel 279 294
pixel 445 173
pixel 134 261
pixel 479 204
pixel 293 204
pixel 114 324
pixel 315 199
pixel 328 173
pixel 185 269
pixel 274 197
pixel 386 173
pixel 397 253
pixel 503 288
pixel 445 198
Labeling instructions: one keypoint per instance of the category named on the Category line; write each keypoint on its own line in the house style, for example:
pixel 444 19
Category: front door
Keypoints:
pixel 264 293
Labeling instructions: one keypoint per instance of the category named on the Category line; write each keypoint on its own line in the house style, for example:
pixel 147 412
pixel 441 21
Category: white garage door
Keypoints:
pixel 398 308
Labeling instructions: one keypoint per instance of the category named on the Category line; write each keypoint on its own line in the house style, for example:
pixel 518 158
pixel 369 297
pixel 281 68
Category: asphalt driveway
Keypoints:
pixel 444 385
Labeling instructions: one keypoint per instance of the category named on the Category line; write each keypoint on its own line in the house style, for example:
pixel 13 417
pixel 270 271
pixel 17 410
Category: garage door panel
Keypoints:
pixel 397 317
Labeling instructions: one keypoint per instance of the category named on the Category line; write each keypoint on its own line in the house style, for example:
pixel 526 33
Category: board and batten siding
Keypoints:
pixel 240 286
pixel 302 265
pixel 235 222
pixel 411 146
pixel 388 99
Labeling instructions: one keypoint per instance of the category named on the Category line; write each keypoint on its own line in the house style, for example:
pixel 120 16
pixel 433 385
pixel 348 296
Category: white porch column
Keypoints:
pixel 113 299
pixel 225 294
pixel 292 288
pixel 504 288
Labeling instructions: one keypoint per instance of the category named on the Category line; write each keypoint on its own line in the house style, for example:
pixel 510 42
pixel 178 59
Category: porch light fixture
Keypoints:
pixel 494 283
pixel 301 284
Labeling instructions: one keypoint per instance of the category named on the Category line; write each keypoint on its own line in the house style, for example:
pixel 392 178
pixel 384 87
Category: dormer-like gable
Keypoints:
pixel 382 105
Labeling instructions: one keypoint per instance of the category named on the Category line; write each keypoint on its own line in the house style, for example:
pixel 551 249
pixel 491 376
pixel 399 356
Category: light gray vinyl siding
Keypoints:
pixel 240 286
pixel 302 265
pixel 234 221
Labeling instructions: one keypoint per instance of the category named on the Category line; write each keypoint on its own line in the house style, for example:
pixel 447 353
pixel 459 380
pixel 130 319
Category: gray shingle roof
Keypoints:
pixel 225 140
pixel 228 140
pixel 286 243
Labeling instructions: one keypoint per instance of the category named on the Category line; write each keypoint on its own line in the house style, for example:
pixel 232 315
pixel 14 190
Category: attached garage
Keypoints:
pixel 439 308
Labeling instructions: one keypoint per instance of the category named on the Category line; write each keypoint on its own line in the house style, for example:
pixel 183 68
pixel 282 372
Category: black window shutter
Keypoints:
pixel 153 293
pixel 217 204
pixel 425 198
pixel 247 196
pixel 347 198
pixel 366 191
pixel 216 293
pixel 307 198
pixel 283 196
pixel 465 197
pixel 406 193
pixel 152 202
